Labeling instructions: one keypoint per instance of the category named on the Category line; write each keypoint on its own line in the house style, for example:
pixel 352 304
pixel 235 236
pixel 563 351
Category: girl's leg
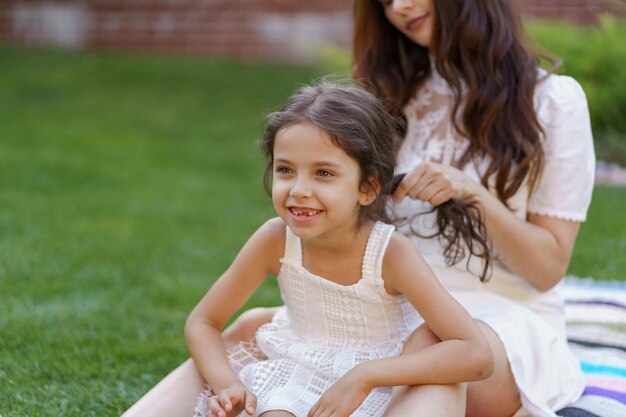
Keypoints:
pixel 176 394
pixel 247 324
pixel 277 413
pixel 426 400
pixel 496 396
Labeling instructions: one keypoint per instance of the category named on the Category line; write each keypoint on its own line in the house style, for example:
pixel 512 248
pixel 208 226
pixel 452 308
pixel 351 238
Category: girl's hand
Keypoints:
pixel 231 401
pixel 435 183
pixel 343 397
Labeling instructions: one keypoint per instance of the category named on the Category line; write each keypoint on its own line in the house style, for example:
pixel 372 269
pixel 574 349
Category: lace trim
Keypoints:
pixel 430 133
pixel 371 264
pixel 376 248
pixel 572 216
pixel 202 406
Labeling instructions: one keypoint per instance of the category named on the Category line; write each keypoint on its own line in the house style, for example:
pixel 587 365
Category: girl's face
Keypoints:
pixel 414 18
pixel 315 184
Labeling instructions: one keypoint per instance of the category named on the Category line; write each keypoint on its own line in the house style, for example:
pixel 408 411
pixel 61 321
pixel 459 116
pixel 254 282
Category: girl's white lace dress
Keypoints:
pixel 324 331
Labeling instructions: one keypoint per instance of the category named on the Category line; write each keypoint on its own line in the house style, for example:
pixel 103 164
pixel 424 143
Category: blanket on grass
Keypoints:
pixel 596 329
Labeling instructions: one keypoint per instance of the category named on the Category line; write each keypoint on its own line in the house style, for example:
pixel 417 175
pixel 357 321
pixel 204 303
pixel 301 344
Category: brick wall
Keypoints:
pixel 262 29
pixel 577 11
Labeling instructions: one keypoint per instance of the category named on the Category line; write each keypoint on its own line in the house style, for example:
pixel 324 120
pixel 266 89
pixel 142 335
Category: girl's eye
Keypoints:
pixel 282 170
pixel 324 173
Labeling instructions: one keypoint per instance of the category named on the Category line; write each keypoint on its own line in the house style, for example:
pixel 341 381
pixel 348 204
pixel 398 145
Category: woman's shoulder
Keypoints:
pixel 556 90
pixel 561 107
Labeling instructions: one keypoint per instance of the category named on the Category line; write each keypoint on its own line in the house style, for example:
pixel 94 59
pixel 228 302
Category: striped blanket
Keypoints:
pixel 596 329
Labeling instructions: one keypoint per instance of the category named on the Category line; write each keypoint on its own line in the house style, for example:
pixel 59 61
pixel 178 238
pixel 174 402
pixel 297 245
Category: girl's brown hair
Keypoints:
pixel 358 123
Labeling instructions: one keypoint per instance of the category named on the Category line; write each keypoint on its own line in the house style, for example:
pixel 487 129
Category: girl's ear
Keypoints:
pixel 369 191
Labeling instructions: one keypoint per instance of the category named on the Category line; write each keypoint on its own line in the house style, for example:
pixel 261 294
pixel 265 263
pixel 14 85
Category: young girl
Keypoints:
pixel 354 289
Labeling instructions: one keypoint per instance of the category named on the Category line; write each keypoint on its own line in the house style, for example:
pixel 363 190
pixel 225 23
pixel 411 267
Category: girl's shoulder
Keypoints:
pixel 398 248
pixel 401 253
pixel 273 232
pixel 275 225
pixel 403 265
pixel 269 240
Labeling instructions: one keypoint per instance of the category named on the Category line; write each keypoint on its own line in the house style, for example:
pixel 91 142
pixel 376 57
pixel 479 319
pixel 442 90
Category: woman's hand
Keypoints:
pixel 546 241
pixel 343 397
pixel 436 183
pixel 231 401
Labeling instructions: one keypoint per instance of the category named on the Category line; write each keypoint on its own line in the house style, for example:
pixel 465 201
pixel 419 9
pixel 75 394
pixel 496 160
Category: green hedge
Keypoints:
pixel 596 57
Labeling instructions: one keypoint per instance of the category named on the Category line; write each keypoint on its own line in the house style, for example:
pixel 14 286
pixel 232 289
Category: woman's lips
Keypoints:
pixel 416 22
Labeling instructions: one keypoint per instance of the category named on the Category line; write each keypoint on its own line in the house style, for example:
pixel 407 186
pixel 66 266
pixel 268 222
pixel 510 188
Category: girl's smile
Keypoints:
pixel 304 214
pixel 315 184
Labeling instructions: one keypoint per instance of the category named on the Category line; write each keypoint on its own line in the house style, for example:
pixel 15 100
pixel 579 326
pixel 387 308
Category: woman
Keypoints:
pixel 486 124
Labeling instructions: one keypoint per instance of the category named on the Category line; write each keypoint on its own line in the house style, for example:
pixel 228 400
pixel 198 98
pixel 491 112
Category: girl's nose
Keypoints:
pixel 300 189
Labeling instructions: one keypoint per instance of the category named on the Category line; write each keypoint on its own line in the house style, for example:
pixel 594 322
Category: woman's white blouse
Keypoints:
pixel 563 189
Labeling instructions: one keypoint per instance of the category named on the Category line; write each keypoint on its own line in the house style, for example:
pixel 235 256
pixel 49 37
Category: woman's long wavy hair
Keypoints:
pixel 476 43
pixel 479 50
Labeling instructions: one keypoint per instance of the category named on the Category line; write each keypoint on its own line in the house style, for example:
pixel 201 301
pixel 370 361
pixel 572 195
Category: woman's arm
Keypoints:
pixel 538 248
pixel 258 258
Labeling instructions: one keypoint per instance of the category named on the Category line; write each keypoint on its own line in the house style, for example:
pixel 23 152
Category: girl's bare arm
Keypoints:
pixel 258 258
pixel 462 355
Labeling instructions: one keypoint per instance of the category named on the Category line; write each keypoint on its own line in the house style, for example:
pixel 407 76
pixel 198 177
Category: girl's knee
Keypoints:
pixel 431 401
pixel 246 325
pixel 277 413
pixel 497 395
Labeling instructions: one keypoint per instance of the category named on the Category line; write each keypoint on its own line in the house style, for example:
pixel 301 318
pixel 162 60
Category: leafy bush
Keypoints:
pixel 596 57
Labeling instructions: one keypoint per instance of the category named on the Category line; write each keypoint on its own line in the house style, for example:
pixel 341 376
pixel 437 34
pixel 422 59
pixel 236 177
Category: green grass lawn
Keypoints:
pixel 127 184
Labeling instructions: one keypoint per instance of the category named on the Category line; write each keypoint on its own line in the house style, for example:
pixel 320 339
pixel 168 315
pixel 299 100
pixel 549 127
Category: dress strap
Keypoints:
pixel 375 250
pixel 293 247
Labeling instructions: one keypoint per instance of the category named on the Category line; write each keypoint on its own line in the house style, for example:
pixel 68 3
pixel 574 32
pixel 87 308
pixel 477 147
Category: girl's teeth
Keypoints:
pixel 304 212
